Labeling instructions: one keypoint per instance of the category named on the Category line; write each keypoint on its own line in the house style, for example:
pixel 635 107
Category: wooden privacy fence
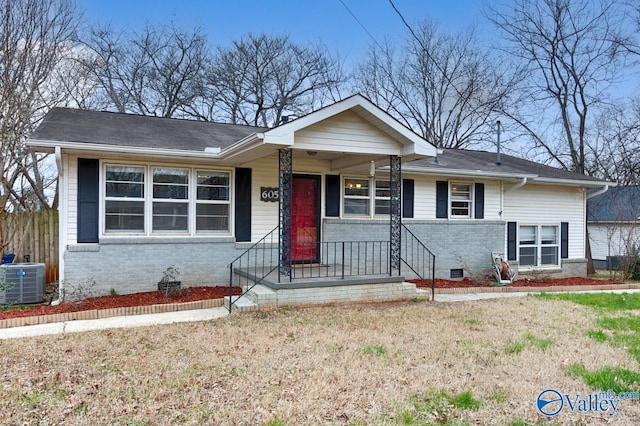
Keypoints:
pixel 33 237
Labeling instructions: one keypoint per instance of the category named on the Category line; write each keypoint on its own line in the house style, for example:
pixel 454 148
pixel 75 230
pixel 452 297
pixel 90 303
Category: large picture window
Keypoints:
pixel 142 199
pixel 539 245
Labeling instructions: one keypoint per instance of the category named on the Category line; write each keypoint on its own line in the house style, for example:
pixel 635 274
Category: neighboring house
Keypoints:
pixel 613 220
pixel 139 194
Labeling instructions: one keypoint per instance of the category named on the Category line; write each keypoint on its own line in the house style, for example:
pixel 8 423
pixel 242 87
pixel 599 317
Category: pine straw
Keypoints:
pixel 309 366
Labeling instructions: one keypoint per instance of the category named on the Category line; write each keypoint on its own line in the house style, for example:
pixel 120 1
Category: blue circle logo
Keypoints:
pixel 550 402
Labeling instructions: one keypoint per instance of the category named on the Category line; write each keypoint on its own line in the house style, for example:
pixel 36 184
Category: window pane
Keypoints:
pixel 383 207
pixel 461 191
pixel 212 217
pixel 124 215
pixel 213 186
pixel 124 181
pixel 549 255
pixel 170 216
pixel 357 187
pixel 528 234
pixel 528 256
pixel 170 183
pixel 356 206
pixel 460 208
pixel 383 189
pixel 549 235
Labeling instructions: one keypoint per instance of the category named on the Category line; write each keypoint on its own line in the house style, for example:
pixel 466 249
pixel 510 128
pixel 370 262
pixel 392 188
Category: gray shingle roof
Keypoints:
pixel 109 128
pixel 620 203
pixel 484 161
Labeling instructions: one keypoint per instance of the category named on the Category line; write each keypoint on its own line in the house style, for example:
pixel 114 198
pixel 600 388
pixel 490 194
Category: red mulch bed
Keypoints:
pixel 191 294
pixel 524 282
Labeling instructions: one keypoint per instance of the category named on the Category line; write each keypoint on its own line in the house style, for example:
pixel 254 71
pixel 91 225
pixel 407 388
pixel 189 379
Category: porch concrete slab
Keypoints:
pixel 114 322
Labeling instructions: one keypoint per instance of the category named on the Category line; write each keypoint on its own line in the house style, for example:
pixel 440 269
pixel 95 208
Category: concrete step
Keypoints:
pixel 241 304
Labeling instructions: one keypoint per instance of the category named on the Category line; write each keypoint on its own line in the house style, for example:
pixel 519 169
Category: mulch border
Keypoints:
pixel 214 303
pixel 108 313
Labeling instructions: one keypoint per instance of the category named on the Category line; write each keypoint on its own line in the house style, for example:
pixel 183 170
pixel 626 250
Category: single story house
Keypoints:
pixel 345 193
pixel 613 222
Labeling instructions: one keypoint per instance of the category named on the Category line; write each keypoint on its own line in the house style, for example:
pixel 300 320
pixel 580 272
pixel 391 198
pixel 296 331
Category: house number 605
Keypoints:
pixel 268 194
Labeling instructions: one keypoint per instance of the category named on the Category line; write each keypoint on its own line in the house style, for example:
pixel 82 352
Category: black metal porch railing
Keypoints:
pixel 256 263
pixel 339 259
pixel 418 258
pixel 313 259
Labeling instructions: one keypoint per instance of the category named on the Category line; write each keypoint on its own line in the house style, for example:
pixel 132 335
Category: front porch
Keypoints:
pixel 334 272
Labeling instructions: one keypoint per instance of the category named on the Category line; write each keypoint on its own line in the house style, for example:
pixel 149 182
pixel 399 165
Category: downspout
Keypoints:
pixel 62 229
pixel 518 185
pixel 601 191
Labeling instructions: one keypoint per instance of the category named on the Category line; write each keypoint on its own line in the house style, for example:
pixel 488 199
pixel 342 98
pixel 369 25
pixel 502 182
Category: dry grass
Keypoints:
pixel 366 364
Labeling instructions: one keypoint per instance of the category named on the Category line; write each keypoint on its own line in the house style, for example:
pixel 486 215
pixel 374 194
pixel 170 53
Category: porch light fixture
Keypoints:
pixel 372 169
pixel 311 153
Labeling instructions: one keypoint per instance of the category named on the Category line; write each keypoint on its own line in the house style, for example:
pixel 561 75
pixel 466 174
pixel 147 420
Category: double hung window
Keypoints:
pixel 539 245
pixel 364 196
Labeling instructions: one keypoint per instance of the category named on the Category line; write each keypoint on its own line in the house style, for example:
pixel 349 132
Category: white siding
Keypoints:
pixel 264 216
pixel 546 204
pixel 612 239
pixel 425 197
pixel 346 132
pixel 71 198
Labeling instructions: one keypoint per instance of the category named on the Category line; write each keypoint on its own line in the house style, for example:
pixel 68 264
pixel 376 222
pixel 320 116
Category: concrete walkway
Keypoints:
pixel 114 322
pixel 209 314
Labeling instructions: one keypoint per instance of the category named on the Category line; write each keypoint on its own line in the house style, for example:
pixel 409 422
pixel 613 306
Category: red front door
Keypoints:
pixel 305 218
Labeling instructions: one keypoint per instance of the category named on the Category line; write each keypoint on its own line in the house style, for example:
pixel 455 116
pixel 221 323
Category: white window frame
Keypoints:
pixel 371 198
pixel 149 200
pixel 470 200
pixel 167 201
pixel 104 199
pixel 217 202
pixel 539 244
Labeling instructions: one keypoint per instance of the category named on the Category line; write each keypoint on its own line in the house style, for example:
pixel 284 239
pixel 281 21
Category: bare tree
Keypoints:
pixel 35 37
pixel 443 86
pixel 260 77
pixel 615 152
pixel 158 71
pixel 574 51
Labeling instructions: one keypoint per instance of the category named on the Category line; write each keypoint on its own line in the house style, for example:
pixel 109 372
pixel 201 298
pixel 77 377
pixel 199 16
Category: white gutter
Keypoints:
pixel 469 173
pixel 81 146
pixel 518 185
pixel 601 191
pixel 62 208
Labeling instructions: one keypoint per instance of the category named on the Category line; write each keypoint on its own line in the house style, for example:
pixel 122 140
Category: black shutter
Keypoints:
pixel 512 240
pixel 332 197
pixel 564 240
pixel 407 197
pixel 479 201
pixel 88 200
pixel 243 204
pixel 442 199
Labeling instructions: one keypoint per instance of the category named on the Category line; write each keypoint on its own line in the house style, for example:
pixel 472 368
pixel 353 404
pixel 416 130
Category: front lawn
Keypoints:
pixel 398 363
